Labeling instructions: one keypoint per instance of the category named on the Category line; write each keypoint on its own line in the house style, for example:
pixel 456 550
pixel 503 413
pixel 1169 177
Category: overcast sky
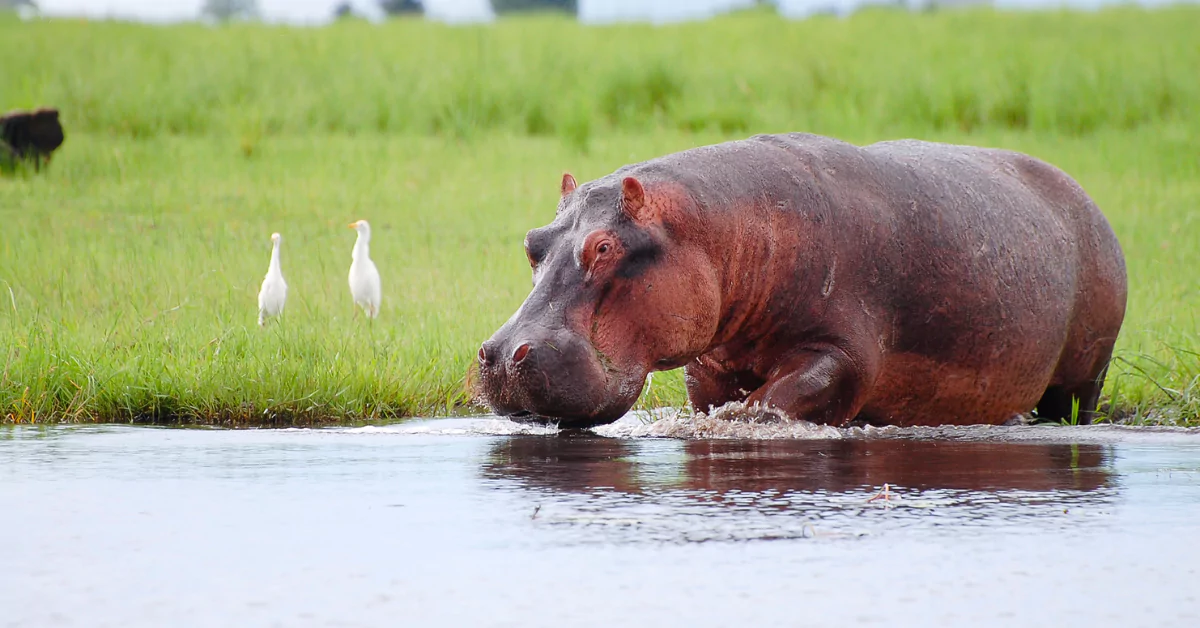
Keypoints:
pixel 169 10
pixel 317 11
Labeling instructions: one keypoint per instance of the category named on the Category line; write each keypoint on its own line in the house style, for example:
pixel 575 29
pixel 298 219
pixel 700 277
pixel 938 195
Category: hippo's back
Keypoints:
pixel 991 274
pixel 1025 222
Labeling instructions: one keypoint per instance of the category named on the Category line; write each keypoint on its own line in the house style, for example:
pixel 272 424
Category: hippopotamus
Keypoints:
pixel 900 283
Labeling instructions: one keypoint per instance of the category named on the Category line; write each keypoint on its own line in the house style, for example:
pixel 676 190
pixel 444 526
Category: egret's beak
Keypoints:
pixel 353 225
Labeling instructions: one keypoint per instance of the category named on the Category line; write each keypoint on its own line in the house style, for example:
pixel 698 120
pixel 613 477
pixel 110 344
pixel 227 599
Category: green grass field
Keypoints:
pixel 129 269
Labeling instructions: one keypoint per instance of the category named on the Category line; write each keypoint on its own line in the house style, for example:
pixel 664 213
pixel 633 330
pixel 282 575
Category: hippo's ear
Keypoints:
pixel 633 200
pixel 568 184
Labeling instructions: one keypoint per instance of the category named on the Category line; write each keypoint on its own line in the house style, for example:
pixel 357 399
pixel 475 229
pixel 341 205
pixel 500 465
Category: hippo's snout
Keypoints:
pixel 547 376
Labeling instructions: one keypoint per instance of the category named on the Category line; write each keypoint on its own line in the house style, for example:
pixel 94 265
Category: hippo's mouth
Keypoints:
pixel 573 423
pixel 554 378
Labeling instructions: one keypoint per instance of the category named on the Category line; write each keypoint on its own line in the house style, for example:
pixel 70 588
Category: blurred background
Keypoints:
pixel 588 11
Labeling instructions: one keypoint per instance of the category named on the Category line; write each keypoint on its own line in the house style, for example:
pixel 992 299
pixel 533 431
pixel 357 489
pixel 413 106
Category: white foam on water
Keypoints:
pixel 730 421
pixel 491 426
pixel 739 421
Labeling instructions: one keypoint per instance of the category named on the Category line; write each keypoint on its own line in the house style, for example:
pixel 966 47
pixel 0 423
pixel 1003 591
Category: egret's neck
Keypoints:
pixel 275 257
pixel 361 249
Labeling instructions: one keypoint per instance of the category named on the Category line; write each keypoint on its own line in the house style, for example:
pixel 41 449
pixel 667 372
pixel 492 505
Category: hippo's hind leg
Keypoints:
pixel 1058 402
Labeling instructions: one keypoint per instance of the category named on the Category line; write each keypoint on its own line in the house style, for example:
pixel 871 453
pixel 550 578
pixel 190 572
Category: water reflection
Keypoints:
pixel 584 463
pixel 850 464
pixel 738 490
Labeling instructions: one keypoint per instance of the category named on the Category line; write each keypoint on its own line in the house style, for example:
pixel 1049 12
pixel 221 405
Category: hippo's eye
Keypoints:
pixel 536 246
pixel 601 250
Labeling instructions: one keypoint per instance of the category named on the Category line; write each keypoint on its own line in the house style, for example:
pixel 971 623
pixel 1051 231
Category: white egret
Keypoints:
pixel 364 277
pixel 273 293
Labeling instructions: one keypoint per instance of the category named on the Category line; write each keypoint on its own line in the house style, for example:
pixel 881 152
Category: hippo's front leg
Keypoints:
pixel 819 384
pixel 710 386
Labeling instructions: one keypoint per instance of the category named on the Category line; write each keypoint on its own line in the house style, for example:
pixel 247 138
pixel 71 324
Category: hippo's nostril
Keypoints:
pixel 487 353
pixel 520 353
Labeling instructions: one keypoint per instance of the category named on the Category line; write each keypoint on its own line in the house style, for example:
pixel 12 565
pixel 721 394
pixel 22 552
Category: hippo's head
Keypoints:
pixel 618 292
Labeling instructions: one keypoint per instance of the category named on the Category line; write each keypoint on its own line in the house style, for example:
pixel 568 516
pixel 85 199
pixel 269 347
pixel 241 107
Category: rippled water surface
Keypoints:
pixel 483 522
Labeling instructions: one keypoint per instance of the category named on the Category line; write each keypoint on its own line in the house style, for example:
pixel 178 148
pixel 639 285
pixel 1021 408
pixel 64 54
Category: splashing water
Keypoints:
pixel 492 426
pixel 738 421
pixel 733 420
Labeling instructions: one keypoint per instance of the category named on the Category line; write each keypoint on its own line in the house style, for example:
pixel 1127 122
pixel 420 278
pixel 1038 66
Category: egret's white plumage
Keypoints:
pixel 273 293
pixel 364 277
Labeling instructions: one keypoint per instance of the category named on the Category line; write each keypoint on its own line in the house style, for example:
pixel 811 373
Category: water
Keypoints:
pixel 484 522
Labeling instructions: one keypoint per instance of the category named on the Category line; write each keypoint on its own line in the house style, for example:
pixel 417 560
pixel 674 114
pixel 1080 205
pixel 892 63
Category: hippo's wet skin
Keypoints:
pixel 904 283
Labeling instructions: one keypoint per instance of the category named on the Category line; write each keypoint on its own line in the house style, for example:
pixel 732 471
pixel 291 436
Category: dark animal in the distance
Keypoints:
pixel 31 135
pixel 903 283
